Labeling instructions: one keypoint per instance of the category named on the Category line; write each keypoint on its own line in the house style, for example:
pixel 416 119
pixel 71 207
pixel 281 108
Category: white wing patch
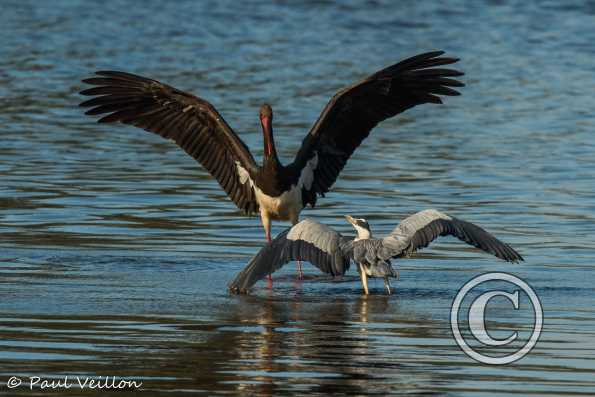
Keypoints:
pixel 307 176
pixel 243 174
pixel 288 205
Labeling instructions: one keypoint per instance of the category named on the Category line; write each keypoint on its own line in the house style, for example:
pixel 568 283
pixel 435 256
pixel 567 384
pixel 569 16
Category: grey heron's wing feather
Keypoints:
pixel 191 122
pixel 306 241
pixel 346 246
pixel 355 110
pixel 420 229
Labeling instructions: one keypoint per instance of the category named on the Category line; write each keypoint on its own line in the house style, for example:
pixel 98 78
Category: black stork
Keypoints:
pixel 276 191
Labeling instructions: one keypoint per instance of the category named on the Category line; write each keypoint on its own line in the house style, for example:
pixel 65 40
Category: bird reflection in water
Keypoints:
pixel 301 344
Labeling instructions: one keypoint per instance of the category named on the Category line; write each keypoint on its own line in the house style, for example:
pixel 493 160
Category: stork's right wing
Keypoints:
pixel 307 241
pixel 193 123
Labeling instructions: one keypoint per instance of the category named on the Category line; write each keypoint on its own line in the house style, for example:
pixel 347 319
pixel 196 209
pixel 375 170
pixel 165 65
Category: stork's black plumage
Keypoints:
pixel 355 110
pixel 274 190
pixel 191 122
pixel 331 252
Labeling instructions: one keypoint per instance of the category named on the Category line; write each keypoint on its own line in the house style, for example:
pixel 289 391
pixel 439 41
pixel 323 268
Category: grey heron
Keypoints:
pixel 332 253
pixel 276 191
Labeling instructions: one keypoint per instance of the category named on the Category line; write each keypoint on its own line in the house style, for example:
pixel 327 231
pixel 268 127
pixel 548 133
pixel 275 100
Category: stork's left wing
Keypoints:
pixel 420 229
pixel 308 241
pixel 354 111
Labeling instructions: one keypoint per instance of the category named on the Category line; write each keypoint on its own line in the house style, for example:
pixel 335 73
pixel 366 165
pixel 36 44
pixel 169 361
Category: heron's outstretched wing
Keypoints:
pixel 351 114
pixel 191 122
pixel 420 229
pixel 307 241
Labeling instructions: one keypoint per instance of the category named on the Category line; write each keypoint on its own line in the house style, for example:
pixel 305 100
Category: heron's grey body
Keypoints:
pixel 332 253
pixel 372 253
pixel 369 253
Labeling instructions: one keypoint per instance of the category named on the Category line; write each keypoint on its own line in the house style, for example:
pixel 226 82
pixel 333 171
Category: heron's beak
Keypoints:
pixel 350 219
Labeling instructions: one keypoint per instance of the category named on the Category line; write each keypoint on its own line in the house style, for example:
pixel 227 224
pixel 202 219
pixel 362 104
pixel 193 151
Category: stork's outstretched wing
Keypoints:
pixel 352 113
pixel 307 241
pixel 191 122
pixel 420 229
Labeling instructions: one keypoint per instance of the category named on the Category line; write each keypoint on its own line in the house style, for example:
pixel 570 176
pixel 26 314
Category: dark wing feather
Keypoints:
pixel 351 114
pixel 191 122
pixel 420 229
pixel 307 241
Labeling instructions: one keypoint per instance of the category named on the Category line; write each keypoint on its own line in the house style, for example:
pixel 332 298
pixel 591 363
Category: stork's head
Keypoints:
pixel 266 121
pixel 361 226
pixel 266 111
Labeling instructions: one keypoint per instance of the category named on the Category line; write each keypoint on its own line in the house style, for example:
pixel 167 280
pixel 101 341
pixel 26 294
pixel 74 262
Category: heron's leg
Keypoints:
pixel 364 278
pixel 387 285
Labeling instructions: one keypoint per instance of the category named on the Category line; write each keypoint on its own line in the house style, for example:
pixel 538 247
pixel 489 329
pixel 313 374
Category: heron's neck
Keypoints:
pixel 270 152
pixel 362 233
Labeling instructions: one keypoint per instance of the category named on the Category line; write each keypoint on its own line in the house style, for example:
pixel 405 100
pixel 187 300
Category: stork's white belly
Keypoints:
pixel 284 207
pixel 288 205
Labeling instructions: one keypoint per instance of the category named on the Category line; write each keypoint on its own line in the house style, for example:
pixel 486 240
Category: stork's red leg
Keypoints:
pixel 267 234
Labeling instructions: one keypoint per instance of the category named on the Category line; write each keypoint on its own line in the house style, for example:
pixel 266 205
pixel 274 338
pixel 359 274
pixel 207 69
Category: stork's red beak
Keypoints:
pixel 269 148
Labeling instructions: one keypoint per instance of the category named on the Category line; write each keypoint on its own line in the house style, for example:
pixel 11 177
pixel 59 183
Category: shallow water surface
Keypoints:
pixel 116 247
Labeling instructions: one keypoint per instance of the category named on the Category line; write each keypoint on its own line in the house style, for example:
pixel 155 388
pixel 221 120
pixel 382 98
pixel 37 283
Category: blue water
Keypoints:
pixel 116 247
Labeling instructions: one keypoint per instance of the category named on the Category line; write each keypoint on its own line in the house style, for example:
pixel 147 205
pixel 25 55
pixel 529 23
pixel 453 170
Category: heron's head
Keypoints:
pixel 361 226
